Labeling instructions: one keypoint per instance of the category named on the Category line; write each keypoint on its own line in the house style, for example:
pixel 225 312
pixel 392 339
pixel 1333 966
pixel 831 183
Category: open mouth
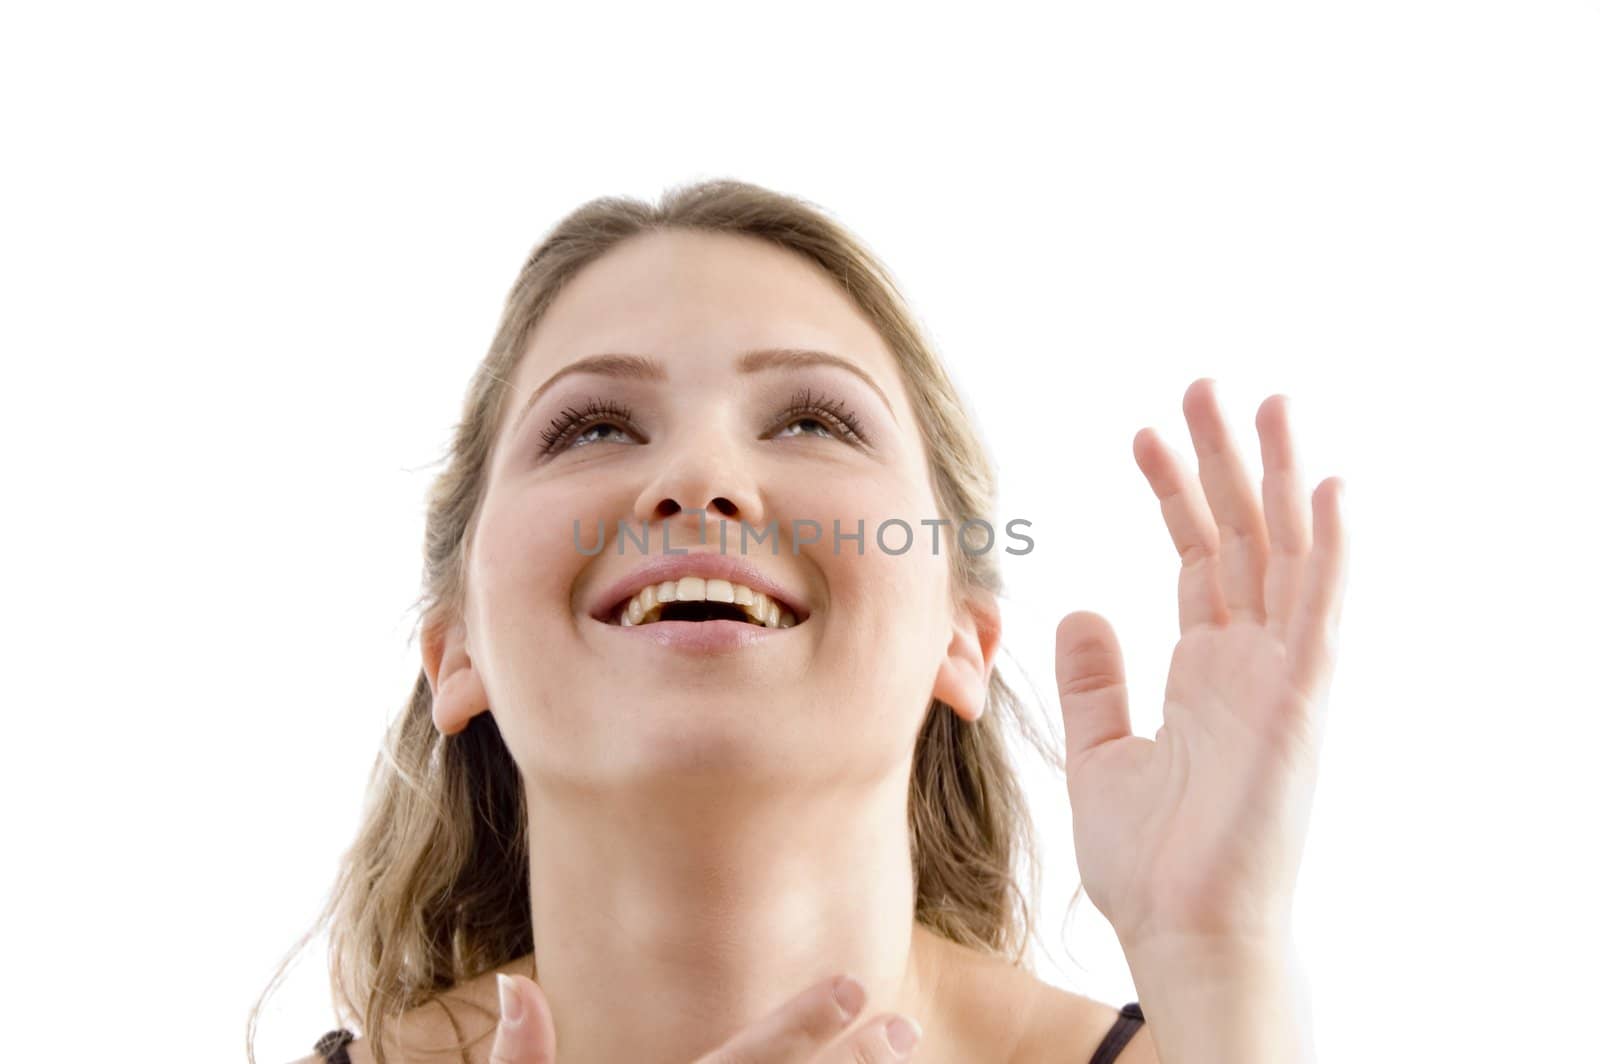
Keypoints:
pixel 694 598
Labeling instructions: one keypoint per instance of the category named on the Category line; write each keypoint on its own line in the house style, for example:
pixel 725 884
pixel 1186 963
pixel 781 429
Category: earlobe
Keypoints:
pixel 963 680
pixel 458 693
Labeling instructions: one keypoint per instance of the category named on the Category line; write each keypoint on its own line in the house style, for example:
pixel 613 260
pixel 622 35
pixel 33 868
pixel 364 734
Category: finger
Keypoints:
pixel 1228 488
pixel 526 1033
pixel 1288 529
pixel 798 1028
pixel 1193 532
pixel 802 1027
pixel 1092 683
pixel 1314 630
pixel 885 1038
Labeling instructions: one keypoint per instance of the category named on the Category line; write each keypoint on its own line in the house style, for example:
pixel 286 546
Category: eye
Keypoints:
pixel 576 426
pixel 828 415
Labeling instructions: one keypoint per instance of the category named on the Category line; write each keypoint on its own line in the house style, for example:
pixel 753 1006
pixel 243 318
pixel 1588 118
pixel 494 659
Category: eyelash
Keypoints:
pixel 572 420
pixel 805 403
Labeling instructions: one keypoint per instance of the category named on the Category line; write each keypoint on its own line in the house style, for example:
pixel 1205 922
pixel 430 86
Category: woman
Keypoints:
pixel 675 784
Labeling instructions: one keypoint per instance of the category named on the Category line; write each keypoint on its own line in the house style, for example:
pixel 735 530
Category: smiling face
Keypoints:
pixel 708 408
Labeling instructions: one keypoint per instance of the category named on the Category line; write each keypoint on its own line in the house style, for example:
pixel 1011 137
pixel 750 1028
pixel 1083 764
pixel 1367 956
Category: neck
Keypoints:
pixel 664 927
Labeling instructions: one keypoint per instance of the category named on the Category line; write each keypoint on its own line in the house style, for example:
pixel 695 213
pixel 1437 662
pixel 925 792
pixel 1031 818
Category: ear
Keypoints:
pixel 963 680
pixel 458 693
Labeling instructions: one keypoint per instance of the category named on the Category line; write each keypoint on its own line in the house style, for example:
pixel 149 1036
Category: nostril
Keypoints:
pixel 724 506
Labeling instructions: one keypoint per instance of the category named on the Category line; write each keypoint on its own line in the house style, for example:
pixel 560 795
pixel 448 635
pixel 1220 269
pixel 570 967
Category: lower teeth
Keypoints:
pixel 655 615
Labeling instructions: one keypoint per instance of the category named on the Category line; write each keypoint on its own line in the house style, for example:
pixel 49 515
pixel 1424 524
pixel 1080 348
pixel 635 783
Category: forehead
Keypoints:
pixel 696 301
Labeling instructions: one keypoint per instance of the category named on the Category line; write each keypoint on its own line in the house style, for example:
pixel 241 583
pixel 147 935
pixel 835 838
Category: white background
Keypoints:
pixel 252 254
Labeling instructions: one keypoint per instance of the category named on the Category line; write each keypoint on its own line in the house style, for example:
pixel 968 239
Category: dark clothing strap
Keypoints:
pixel 1127 1024
pixel 331 1046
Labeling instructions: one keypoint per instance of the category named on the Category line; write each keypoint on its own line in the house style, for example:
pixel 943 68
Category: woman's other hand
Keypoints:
pixel 1196 835
pixel 801 1031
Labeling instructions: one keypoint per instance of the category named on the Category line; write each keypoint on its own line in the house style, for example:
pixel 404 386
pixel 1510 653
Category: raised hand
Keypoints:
pixel 1197 834
pixel 803 1029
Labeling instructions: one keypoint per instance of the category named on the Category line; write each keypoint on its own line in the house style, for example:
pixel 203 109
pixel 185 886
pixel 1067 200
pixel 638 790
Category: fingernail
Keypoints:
pixel 903 1034
pixel 850 995
pixel 510 1004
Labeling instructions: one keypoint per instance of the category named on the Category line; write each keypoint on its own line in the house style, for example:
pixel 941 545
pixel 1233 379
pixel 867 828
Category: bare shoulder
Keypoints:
pixel 1003 1012
pixel 1067 1028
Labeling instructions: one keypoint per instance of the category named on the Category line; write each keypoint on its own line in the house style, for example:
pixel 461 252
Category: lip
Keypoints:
pixel 700 637
pixel 711 566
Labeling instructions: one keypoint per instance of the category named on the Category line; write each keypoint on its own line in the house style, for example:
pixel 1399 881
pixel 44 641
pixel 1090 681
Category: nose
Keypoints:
pixel 719 505
pixel 706 474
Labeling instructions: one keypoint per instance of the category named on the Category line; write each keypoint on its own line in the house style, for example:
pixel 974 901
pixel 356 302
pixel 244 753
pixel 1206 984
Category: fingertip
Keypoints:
pixel 849 995
pixel 1146 449
pixel 526 1032
pixel 1333 490
pixel 512 1008
pixel 1080 627
pixel 1267 410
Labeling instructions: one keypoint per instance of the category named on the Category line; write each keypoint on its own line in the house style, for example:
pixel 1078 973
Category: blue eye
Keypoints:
pixel 579 426
pixel 807 420
pixel 828 414
pixel 573 424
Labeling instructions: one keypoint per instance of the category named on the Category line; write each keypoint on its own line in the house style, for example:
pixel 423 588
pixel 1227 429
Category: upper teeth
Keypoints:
pixel 645 605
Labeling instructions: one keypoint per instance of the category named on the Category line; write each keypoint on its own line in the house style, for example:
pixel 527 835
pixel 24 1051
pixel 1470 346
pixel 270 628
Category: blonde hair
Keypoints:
pixel 434 891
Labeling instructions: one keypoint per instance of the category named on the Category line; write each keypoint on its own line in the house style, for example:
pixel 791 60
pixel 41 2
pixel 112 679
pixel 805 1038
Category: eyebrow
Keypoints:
pixel 638 367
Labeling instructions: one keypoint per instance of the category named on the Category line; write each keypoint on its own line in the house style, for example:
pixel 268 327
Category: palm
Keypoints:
pixel 1200 830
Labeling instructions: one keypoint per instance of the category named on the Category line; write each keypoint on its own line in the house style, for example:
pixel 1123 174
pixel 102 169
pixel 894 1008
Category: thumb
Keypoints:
pixel 526 1033
pixel 1094 689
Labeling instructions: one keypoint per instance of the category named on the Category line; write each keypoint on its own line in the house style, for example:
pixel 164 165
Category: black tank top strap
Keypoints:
pixel 331 1046
pixel 1126 1025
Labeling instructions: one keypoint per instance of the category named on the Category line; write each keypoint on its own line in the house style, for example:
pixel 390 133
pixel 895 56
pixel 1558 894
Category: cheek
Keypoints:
pixel 910 587
pixel 525 556
pixel 892 609
pixel 519 580
pixel 873 501
pixel 880 652
pixel 907 590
